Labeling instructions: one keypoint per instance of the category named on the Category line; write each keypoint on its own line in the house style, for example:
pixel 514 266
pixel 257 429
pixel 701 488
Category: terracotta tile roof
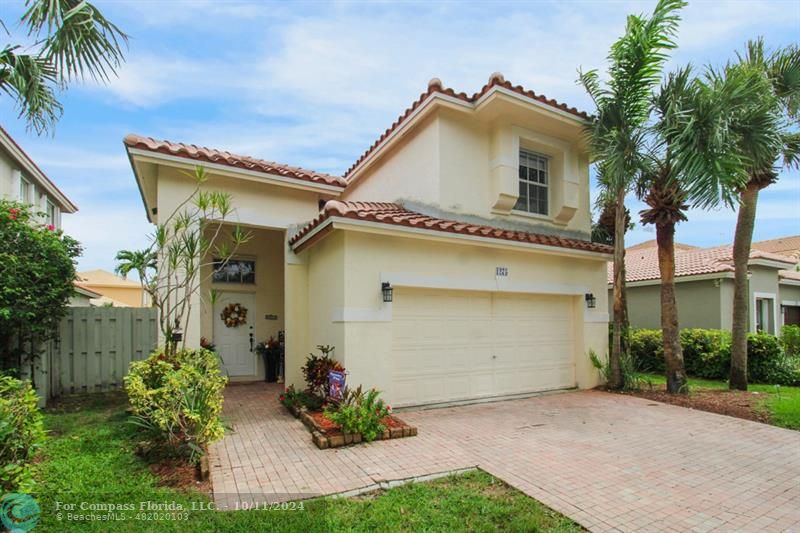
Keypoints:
pixel 788 246
pixel 435 87
pixel 642 264
pixel 653 244
pixel 790 274
pixel 211 155
pixel 397 215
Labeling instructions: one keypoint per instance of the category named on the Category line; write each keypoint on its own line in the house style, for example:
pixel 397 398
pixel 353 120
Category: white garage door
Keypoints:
pixel 458 345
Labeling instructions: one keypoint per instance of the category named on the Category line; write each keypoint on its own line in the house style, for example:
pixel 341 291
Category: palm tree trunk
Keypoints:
pixel 615 380
pixel 673 354
pixel 742 239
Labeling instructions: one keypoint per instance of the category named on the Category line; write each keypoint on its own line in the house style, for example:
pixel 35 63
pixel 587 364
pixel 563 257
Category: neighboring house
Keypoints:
pixel 451 262
pixel 114 290
pixel 788 246
pixel 23 181
pixel 704 288
pixel 83 296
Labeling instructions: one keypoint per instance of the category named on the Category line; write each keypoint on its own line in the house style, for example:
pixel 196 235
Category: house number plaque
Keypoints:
pixel 501 272
pixel 271 317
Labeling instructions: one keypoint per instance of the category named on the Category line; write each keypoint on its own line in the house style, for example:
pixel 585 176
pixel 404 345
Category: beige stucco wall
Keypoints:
pixel 462 164
pixel 130 296
pixel 698 305
pixel 410 171
pixel 354 317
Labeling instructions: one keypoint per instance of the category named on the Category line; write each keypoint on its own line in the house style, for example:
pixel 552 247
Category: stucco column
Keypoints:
pixel 295 302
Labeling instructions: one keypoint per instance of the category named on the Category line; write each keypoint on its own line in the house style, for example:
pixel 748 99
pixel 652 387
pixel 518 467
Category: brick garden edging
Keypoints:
pixel 324 441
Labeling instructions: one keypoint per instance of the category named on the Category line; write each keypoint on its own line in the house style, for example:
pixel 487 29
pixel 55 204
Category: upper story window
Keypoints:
pixel 533 183
pixel 51 214
pixel 24 191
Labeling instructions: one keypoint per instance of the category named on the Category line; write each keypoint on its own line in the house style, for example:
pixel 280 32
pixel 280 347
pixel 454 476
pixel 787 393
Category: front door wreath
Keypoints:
pixel 234 315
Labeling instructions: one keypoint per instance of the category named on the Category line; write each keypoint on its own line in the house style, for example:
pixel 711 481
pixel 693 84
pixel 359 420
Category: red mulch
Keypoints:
pixel 739 404
pixel 177 473
pixel 329 427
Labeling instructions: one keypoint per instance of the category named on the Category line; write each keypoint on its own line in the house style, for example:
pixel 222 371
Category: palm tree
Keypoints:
pixel 72 40
pixel 143 262
pixel 617 133
pixel 693 162
pixel 768 134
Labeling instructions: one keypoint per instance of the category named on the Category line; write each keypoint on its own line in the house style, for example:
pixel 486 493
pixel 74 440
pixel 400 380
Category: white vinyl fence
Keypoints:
pixel 94 347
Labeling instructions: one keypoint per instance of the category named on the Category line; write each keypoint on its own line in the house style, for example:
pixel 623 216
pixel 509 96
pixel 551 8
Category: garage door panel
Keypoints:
pixel 451 345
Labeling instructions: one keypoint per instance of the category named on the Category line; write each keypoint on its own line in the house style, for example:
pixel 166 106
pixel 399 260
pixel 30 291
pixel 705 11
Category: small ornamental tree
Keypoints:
pixel 37 270
pixel 191 240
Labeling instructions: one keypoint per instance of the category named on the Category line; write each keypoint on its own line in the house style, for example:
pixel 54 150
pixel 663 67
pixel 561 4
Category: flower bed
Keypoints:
pixel 355 415
pixel 327 434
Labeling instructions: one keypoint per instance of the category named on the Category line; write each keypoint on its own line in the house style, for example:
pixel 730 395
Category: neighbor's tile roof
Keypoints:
pixel 641 264
pixel 435 87
pixel 211 155
pixel 790 274
pixel 397 215
pixel 788 246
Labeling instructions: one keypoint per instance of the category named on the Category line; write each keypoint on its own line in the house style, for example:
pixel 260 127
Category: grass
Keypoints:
pixel 90 457
pixel 783 403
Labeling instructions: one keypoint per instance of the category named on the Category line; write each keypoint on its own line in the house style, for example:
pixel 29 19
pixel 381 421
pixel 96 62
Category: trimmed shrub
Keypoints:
pixel 21 434
pixel 707 354
pixel 178 399
pixel 647 350
pixel 790 337
pixel 767 362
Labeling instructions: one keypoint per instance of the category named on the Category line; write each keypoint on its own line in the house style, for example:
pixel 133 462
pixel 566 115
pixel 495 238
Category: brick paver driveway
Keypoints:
pixel 607 461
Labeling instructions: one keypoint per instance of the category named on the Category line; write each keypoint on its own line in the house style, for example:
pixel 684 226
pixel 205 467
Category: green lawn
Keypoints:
pixel 89 457
pixel 783 403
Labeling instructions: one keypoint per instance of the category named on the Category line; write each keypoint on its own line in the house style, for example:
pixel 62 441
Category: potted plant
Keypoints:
pixel 270 351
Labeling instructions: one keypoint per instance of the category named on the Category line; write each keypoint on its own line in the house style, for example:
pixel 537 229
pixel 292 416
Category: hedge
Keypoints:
pixel 707 354
pixel 21 434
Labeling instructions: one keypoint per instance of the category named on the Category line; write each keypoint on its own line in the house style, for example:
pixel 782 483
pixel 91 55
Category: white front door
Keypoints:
pixel 234 344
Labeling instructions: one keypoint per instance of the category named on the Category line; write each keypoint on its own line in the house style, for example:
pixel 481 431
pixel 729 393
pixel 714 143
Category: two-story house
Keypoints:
pixel 23 181
pixel 451 262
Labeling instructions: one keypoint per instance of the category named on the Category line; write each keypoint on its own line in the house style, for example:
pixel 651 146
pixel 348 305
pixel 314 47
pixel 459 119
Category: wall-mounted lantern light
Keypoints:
pixel 387 290
pixel 591 301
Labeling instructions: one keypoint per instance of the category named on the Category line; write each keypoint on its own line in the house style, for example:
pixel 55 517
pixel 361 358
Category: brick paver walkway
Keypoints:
pixel 610 462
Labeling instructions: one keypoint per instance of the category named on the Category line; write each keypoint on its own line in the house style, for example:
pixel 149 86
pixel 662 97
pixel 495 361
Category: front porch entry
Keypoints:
pixel 243 302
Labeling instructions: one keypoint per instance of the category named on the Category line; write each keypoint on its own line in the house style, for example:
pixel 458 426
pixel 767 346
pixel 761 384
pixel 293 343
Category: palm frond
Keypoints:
pixel 79 40
pixel 30 80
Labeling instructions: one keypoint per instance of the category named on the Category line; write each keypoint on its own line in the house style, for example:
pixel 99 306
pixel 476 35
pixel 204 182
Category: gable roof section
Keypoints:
pixel 32 171
pixel 496 80
pixel 393 214
pixel 788 246
pixel 653 244
pixel 642 264
pixel 104 278
pixel 211 155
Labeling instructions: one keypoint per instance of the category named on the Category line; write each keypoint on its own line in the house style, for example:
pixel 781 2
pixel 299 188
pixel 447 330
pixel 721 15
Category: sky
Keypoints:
pixel 313 84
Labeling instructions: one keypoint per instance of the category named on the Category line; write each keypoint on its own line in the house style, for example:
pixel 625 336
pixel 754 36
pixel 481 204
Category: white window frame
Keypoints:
pixel 546 186
pixel 52 213
pixel 24 190
pixel 765 296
